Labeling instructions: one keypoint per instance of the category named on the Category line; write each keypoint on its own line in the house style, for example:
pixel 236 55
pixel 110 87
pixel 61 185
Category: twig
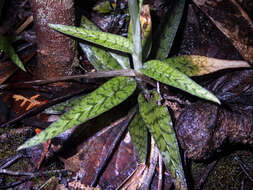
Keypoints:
pixel 16 183
pixel 160 174
pixel 103 164
pixel 153 158
pixel 35 174
pixel 243 167
pixel 133 178
pixel 11 160
pixel 242 186
pixel 24 25
pixel 90 75
pixel 29 174
pixel 41 108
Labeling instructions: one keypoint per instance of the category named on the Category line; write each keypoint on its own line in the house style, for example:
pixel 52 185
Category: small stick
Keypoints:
pixel 242 186
pixel 243 167
pixel 36 174
pixel 28 21
pixel 90 75
pixel 103 164
pixel 14 184
pixel 153 158
pixel 11 161
pixel 160 174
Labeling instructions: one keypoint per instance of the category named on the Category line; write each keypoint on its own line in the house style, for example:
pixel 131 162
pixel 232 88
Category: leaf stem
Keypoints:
pixel 134 11
pixel 90 75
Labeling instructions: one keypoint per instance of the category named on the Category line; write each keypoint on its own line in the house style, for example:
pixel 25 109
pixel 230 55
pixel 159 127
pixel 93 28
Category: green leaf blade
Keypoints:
pixel 171 76
pixel 168 30
pixel 9 50
pixel 134 11
pixel 104 39
pixel 139 136
pixel 158 121
pixel 99 58
pixel 107 96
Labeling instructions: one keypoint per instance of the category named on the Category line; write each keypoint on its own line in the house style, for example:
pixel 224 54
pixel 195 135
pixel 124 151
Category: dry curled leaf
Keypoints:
pixel 77 185
pixel 32 102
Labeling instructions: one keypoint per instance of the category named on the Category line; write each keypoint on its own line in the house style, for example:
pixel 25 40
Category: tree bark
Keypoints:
pixel 56 52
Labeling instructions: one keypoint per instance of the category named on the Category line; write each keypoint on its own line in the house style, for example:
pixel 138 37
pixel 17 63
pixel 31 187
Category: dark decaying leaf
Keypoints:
pixel 139 136
pixel 92 151
pixel 233 21
pixel 211 126
pixel 169 75
pixel 157 119
pixel 107 96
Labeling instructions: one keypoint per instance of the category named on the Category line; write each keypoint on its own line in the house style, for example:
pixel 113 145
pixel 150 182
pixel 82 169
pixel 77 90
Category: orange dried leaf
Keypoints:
pixel 32 102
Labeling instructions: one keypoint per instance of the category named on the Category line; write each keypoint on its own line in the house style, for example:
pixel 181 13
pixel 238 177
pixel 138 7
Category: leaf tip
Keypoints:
pixel 29 143
pixel 213 98
pixel 218 101
pixel 55 26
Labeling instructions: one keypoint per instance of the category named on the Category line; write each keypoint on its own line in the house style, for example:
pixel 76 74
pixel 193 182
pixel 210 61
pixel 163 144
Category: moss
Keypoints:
pixel 227 174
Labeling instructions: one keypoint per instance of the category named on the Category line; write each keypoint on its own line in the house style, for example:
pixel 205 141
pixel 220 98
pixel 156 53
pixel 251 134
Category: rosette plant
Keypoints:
pixel 151 116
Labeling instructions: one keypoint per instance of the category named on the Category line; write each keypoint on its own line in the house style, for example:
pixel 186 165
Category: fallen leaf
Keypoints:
pixel 233 21
pixel 32 102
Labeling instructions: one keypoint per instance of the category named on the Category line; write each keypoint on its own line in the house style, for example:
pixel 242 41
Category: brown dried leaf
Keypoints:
pixel 133 181
pixel 32 102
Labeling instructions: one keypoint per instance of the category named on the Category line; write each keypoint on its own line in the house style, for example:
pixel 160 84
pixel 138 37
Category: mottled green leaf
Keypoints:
pixel 64 106
pixel 139 136
pixel 195 65
pixel 168 29
pixel 171 76
pixel 123 60
pixel 134 12
pixel 103 7
pixel 104 39
pixel 157 119
pixel 9 50
pixel 107 96
pixel 140 4
pixel 99 58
